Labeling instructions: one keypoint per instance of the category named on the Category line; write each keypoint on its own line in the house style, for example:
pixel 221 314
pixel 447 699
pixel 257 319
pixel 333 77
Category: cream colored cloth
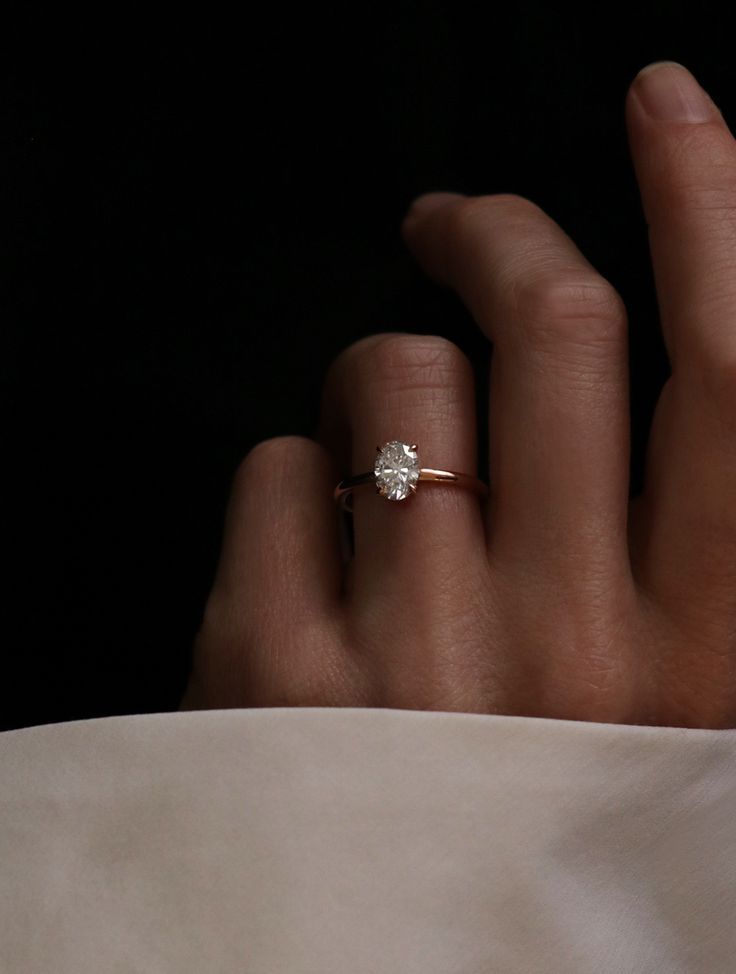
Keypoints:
pixel 366 841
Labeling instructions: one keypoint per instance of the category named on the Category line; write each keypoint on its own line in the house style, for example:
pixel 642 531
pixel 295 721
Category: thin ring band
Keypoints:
pixel 397 472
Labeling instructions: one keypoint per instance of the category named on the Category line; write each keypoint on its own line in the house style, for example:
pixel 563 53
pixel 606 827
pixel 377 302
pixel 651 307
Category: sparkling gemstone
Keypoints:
pixel 397 470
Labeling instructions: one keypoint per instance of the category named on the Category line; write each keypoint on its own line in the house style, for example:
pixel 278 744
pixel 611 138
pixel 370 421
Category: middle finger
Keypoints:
pixel 559 422
pixel 418 389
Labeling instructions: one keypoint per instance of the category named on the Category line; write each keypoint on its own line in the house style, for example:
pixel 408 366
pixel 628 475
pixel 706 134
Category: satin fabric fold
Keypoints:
pixel 305 840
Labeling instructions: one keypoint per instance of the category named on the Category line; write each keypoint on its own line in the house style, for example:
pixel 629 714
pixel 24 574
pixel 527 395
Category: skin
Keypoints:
pixel 558 597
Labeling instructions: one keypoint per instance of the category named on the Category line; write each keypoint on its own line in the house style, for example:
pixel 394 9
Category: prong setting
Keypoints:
pixel 396 470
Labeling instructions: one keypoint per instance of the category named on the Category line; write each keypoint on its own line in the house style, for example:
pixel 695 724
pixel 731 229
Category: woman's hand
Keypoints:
pixel 557 597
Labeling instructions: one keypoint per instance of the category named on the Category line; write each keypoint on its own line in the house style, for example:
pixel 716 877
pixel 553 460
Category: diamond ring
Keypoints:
pixel 396 473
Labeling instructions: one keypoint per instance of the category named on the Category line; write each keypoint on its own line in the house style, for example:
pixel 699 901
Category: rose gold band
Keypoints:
pixel 426 475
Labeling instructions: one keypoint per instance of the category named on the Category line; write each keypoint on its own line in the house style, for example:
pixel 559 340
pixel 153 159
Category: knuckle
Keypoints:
pixel 416 353
pixel 358 351
pixel 583 307
pixel 272 456
pixel 696 206
pixel 698 174
pixel 347 367
pixel 403 362
pixel 716 198
pixel 467 216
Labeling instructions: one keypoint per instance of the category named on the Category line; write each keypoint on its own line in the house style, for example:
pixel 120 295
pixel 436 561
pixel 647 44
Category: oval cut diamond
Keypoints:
pixel 397 470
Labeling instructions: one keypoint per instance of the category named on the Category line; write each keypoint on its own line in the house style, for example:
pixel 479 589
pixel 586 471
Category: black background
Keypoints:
pixel 200 214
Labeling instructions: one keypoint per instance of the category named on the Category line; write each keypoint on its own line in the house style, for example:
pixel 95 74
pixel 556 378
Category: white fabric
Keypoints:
pixel 349 841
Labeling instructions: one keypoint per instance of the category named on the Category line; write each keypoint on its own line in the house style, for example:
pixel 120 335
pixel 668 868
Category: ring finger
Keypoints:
pixel 559 418
pixel 415 554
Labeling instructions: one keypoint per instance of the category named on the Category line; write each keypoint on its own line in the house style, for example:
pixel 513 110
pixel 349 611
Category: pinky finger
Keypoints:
pixel 281 546
pixel 277 594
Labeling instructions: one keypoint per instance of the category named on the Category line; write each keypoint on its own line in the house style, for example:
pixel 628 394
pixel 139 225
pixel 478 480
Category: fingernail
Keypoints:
pixel 430 201
pixel 669 93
